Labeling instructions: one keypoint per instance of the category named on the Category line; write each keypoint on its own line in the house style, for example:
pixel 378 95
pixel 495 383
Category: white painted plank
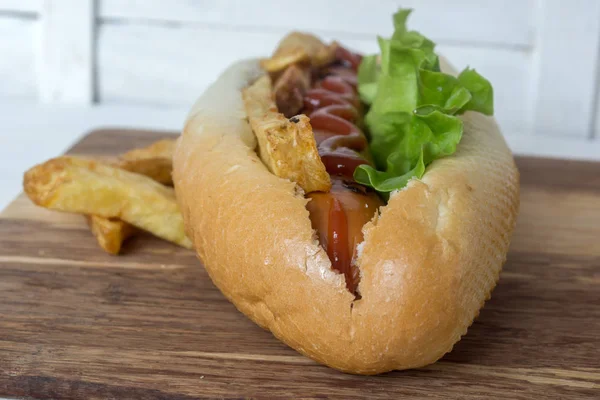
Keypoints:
pixel 162 65
pixel 17 75
pixel 596 129
pixel 172 66
pixel 471 21
pixel 25 6
pixel 566 61
pixel 64 62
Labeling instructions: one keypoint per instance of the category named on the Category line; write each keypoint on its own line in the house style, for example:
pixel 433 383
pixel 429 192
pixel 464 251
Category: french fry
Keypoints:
pixel 287 147
pixel 90 187
pixel 154 161
pixel 110 232
pixel 298 47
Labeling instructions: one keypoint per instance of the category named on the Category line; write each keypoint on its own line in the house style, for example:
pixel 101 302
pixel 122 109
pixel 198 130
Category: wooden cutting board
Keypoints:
pixel 76 323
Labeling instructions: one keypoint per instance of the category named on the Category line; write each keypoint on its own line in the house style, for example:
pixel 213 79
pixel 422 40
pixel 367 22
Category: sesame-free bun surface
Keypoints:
pixel 428 262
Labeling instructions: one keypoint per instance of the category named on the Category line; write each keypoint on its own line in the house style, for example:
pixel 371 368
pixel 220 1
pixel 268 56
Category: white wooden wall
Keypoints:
pixel 543 56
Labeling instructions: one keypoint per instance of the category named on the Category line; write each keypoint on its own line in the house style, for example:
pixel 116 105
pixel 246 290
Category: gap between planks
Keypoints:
pixel 90 264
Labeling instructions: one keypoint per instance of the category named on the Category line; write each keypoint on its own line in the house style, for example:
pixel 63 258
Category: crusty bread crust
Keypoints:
pixel 428 262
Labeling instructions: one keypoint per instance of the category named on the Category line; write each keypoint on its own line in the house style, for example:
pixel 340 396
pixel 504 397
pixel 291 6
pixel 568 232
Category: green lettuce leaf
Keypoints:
pixel 368 74
pixel 387 181
pixel 481 91
pixel 413 106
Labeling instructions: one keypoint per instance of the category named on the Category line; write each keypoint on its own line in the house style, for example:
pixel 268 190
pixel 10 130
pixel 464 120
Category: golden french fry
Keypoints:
pixel 160 149
pixel 299 47
pixel 90 187
pixel 287 147
pixel 154 161
pixel 110 232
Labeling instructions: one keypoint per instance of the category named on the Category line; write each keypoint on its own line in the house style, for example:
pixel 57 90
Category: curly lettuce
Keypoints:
pixel 413 107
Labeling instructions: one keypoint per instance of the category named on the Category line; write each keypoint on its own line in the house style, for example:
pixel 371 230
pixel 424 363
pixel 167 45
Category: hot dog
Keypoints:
pixel 363 223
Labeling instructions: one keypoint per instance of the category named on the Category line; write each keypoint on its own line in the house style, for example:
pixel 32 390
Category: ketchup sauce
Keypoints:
pixel 334 109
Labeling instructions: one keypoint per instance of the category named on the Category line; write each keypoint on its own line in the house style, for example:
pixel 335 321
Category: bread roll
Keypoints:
pixel 430 258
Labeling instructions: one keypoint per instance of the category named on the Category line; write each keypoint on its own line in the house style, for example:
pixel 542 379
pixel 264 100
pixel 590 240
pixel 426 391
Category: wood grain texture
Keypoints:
pixel 76 323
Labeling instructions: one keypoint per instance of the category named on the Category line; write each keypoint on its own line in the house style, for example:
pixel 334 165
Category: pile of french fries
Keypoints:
pixel 118 197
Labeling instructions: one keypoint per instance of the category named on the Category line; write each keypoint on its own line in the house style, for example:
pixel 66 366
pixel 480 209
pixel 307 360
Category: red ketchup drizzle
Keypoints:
pixel 337 241
pixel 334 108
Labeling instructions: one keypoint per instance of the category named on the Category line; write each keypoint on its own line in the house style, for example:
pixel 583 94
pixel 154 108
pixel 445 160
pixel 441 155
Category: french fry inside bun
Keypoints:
pixel 388 268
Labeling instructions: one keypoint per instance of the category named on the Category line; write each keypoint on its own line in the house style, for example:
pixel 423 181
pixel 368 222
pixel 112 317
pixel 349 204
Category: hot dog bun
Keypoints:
pixel 428 263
